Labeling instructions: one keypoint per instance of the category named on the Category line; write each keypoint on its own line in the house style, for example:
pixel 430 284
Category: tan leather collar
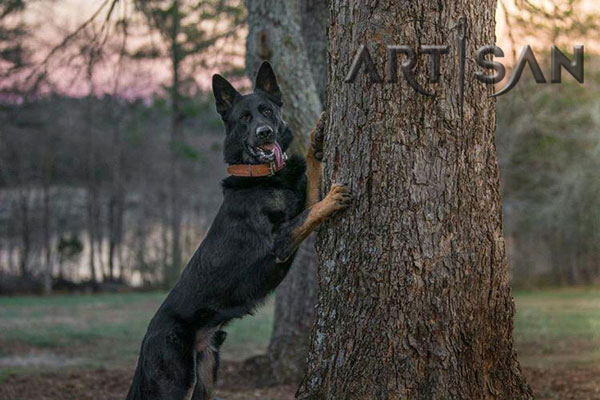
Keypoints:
pixel 254 170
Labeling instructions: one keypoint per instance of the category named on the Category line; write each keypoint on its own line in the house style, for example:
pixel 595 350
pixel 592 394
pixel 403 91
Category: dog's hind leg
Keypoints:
pixel 165 368
pixel 289 235
pixel 204 375
pixel 207 364
pixel 314 156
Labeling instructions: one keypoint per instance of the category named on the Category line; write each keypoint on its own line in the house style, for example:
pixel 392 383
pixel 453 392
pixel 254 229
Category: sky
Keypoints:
pixel 57 19
pixel 53 20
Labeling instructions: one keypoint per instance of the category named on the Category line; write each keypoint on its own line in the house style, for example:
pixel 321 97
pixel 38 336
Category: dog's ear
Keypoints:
pixel 266 82
pixel 225 94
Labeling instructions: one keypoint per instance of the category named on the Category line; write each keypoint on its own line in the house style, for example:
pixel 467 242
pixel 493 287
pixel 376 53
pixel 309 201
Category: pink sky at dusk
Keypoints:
pixel 131 79
pixel 55 19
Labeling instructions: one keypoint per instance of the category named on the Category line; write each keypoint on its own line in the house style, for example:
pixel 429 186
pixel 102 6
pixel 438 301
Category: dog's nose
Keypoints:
pixel 264 132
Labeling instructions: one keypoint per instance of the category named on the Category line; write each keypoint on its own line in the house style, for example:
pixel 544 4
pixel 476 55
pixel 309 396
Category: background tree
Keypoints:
pixel 291 34
pixel 188 29
pixel 548 148
pixel 414 300
pixel 551 199
pixel 13 32
pixel 557 22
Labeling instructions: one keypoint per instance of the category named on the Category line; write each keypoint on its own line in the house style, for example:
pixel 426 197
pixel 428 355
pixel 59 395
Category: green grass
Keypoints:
pixel 551 326
pixel 558 314
pixel 97 327
pixel 560 326
pixel 102 330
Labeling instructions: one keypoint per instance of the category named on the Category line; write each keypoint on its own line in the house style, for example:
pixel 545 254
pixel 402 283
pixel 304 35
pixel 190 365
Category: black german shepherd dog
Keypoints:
pixel 270 206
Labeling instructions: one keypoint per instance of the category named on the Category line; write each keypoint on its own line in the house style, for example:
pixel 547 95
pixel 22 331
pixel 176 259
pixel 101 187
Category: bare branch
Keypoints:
pixel 69 37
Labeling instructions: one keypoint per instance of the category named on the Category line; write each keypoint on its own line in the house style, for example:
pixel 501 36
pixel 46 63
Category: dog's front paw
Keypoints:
pixel 338 198
pixel 316 138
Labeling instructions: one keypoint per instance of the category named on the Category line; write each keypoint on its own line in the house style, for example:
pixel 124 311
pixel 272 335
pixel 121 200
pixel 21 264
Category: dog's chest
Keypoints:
pixel 283 205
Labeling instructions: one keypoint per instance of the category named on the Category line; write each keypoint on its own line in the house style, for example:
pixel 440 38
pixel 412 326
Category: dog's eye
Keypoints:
pixel 246 117
pixel 268 112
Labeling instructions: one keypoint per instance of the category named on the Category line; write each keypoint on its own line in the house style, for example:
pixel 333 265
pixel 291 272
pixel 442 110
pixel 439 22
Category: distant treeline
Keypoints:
pixel 548 142
pixel 84 187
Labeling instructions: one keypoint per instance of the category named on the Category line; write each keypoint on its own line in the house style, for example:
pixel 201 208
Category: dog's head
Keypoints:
pixel 255 131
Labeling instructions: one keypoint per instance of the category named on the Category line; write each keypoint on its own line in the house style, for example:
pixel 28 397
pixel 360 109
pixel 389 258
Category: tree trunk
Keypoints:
pixel 91 228
pixel 275 35
pixel 99 243
pixel 176 139
pixel 116 202
pixel 164 236
pixel 112 242
pixel 91 180
pixel 46 211
pixel 25 232
pixel 140 253
pixel 414 299
pixel 314 20
pixel 115 217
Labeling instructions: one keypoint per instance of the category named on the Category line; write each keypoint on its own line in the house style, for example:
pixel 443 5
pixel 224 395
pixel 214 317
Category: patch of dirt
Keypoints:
pixel 98 384
pixel 554 383
pixel 285 392
pixel 102 384
pixel 105 384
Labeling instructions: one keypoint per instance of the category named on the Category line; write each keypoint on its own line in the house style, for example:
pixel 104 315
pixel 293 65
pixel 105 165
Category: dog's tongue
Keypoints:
pixel 278 155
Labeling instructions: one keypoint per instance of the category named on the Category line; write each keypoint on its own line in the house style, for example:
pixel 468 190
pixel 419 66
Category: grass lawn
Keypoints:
pixel 99 330
pixel 555 331
pixel 560 327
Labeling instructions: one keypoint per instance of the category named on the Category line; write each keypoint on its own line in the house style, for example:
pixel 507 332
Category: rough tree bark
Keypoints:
pixel 314 20
pixel 414 299
pixel 276 33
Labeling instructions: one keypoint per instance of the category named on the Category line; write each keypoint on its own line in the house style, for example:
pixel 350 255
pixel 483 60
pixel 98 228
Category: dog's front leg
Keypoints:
pixel 314 156
pixel 289 235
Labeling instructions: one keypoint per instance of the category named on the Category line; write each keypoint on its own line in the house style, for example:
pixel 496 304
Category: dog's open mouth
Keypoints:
pixel 267 149
pixel 267 152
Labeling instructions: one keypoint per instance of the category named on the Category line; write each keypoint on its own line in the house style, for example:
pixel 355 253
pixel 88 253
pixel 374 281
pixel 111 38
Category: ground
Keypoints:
pixel 85 347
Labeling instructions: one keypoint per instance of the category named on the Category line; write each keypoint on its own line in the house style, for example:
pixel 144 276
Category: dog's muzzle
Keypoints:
pixel 264 132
